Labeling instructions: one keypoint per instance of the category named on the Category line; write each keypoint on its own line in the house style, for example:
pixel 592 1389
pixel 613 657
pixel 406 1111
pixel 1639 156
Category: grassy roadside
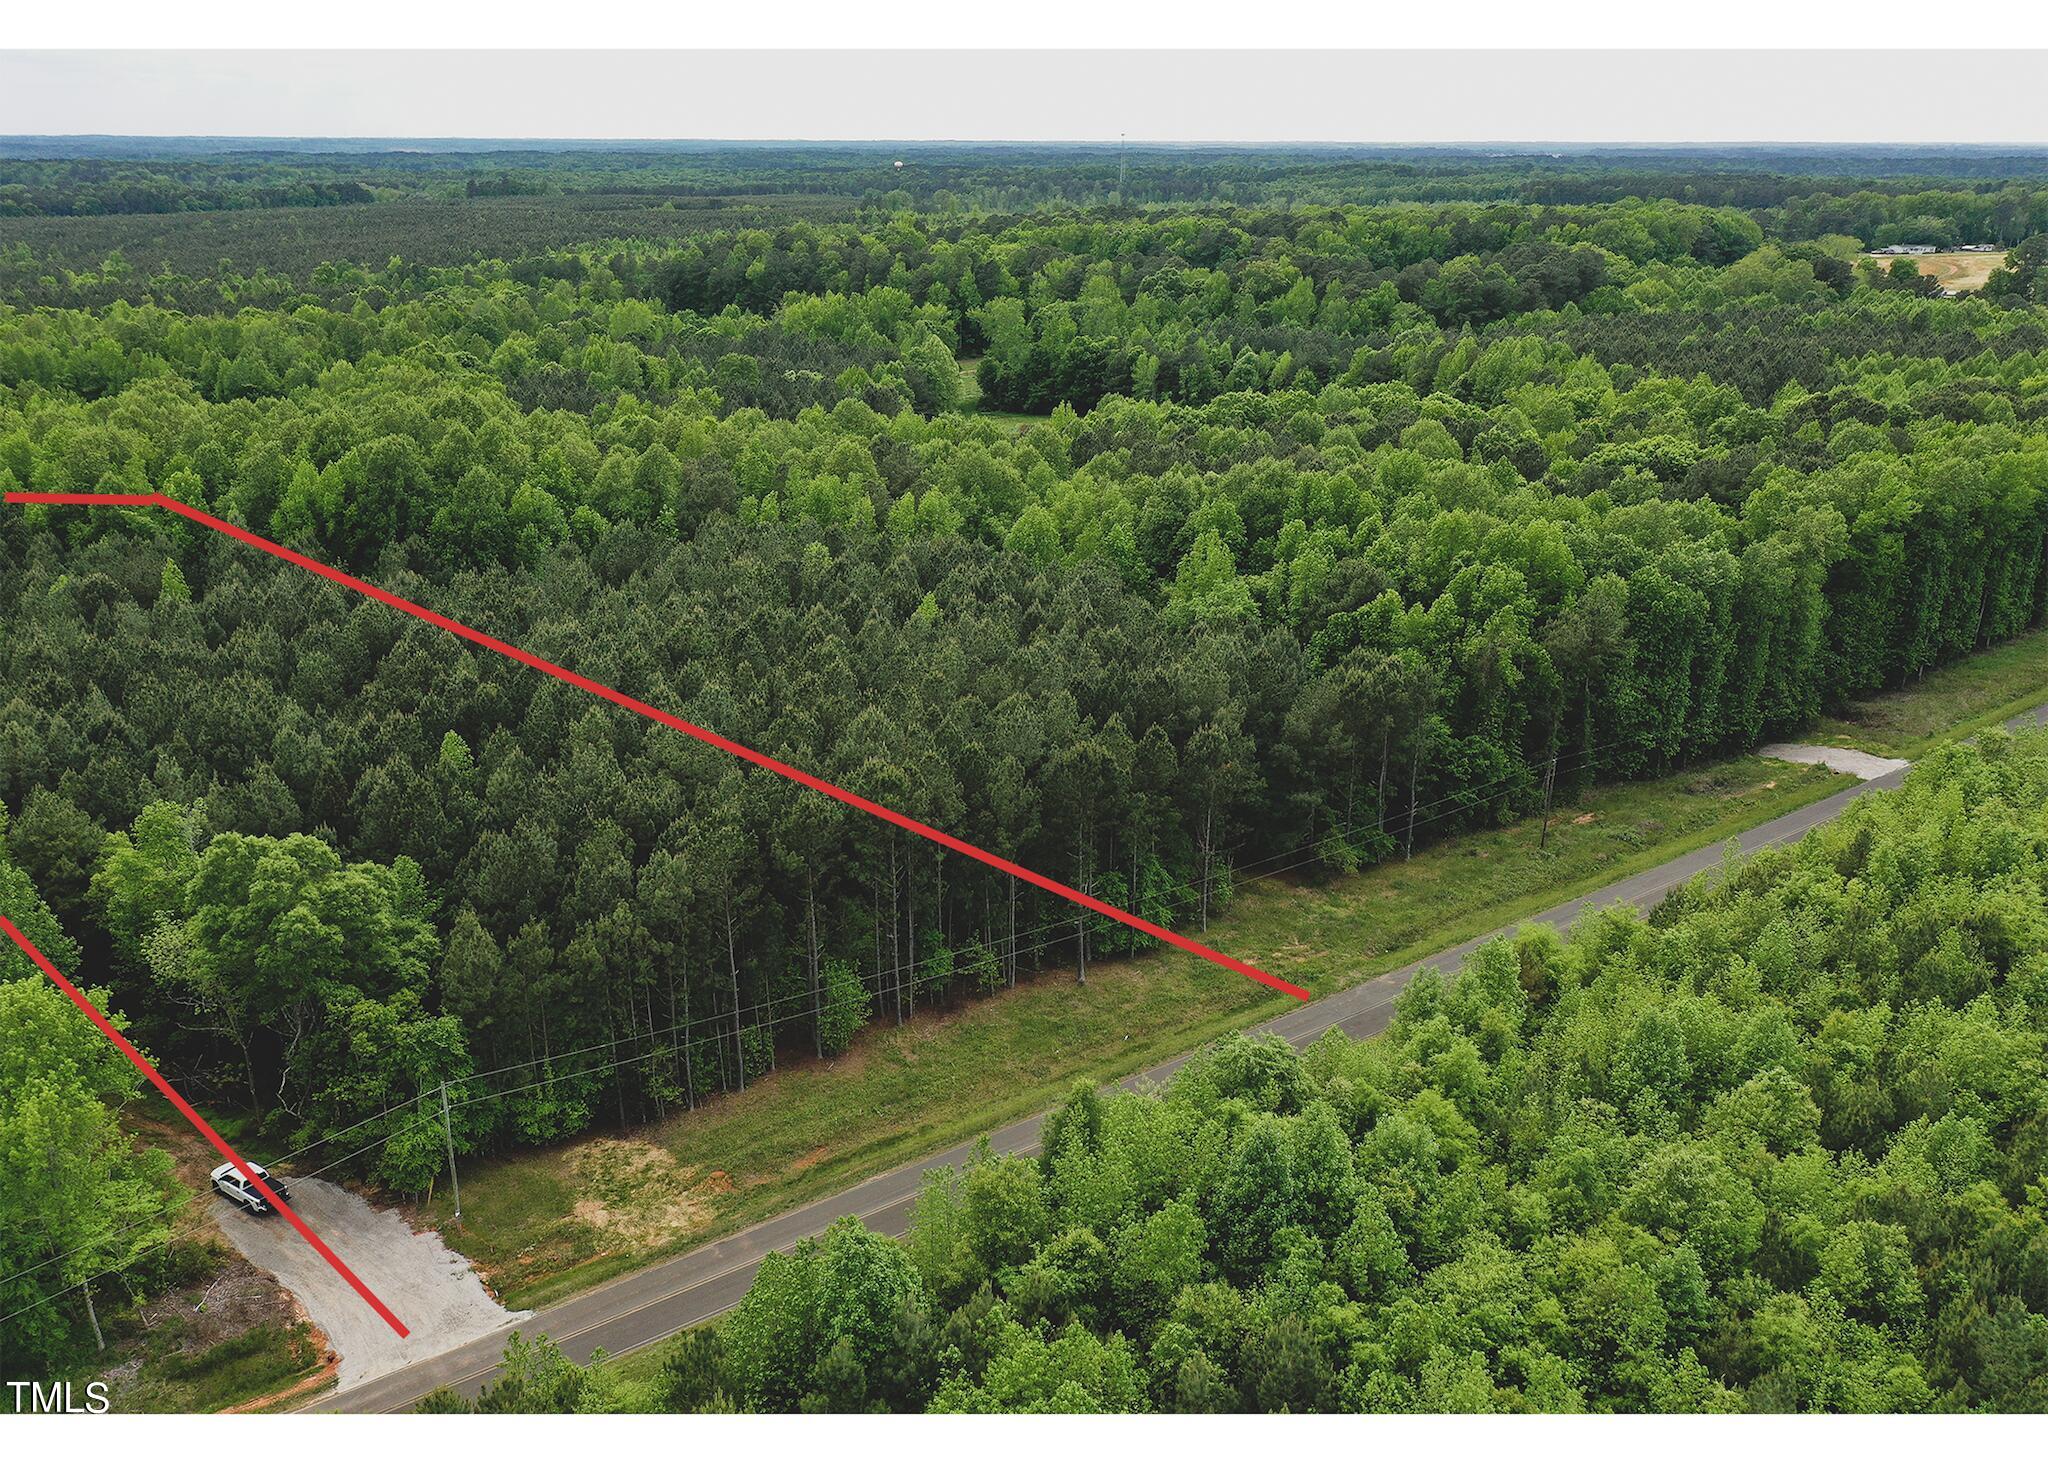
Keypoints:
pixel 1956 701
pixel 545 1224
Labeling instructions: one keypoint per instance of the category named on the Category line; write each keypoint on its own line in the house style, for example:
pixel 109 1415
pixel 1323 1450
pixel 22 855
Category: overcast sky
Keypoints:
pixel 1388 96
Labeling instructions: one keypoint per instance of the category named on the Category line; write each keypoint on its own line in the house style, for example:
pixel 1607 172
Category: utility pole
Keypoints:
pixel 1081 944
pixel 1414 792
pixel 1120 164
pixel 448 1133
pixel 1549 781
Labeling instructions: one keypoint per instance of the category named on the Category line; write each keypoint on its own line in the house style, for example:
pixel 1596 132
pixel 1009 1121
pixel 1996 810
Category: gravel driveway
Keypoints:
pixel 428 1286
pixel 1864 765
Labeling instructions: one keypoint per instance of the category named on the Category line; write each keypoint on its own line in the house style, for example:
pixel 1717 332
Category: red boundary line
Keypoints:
pixel 675 723
pixel 142 1064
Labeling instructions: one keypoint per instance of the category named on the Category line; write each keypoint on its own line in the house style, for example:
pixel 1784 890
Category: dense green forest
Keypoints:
pixel 1145 546
pixel 1779 1147
pixel 1917 192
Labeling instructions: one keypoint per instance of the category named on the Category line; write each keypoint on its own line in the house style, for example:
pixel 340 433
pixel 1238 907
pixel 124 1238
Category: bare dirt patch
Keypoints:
pixel 329 1370
pixel 636 1193
pixel 1957 271
pixel 237 1297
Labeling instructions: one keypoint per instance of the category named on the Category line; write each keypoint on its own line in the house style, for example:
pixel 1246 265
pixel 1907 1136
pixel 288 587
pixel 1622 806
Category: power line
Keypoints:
pixel 728 1021
pixel 889 980
pixel 724 1019
pixel 276 1162
pixel 173 1238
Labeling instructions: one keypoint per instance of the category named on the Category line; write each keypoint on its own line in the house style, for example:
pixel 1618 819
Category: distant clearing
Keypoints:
pixel 1957 271
pixel 970 398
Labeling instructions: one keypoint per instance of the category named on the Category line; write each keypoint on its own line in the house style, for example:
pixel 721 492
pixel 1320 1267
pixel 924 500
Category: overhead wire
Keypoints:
pixel 729 1021
pixel 724 1021
pixel 887 979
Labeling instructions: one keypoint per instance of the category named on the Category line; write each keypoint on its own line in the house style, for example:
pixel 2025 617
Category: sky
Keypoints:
pixel 1259 96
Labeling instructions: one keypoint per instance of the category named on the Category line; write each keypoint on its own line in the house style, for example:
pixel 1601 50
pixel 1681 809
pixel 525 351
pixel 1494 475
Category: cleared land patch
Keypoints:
pixel 224 1331
pixel 970 398
pixel 639 1194
pixel 1953 271
pixel 1857 763
pixel 434 1289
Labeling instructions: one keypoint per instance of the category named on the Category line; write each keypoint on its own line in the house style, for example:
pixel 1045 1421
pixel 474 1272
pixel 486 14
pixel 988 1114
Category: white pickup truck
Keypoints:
pixel 238 1190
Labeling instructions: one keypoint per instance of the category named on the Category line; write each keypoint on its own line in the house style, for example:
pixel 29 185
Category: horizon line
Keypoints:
pixel 1460 144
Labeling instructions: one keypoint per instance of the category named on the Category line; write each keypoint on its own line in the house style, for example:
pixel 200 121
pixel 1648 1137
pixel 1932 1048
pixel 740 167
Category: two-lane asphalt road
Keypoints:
pixel 649 1305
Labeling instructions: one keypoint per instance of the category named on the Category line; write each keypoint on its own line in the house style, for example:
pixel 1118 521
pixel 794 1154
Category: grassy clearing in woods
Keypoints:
pixel 544 1224
pixel 970 399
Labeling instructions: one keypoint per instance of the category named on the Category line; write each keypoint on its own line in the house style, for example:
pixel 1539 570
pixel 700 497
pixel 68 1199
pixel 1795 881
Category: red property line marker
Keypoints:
pixel 674 723
pixel 142 1064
